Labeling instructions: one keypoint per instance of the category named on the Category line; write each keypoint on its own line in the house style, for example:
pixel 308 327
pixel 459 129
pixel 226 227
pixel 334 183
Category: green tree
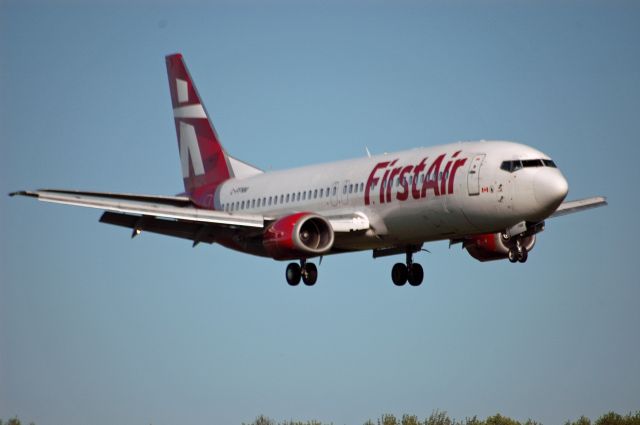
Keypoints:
pixel 438 417
pixel 498 419
pixel 410 420
pixel 582 420
pixel 388 419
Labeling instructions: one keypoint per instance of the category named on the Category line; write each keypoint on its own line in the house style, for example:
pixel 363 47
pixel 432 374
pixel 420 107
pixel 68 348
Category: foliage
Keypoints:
pixel 13 421
pixel 438 417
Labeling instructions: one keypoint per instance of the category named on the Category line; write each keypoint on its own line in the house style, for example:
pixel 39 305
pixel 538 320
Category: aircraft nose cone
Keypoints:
pixel 550 188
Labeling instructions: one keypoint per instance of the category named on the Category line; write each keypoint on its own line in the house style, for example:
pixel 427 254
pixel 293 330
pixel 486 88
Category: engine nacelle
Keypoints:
pixel 299 235
pixel 494 246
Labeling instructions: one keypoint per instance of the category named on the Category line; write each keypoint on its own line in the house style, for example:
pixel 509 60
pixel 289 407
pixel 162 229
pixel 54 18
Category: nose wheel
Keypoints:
pixel 308 272
pixel 410 272
pixel 518 253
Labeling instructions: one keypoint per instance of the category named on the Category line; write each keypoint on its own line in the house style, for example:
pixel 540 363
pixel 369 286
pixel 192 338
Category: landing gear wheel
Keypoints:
pixel 293 274
pixel 415 274
pixel 522 256
pixel 309 274
pixel 513 256
pixel 399 274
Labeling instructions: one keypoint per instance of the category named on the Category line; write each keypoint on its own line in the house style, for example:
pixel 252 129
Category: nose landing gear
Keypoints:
pixel 517 252
pixel 307 271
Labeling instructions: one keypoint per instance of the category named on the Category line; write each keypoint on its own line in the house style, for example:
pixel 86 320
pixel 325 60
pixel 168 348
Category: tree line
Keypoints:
pixel 441 418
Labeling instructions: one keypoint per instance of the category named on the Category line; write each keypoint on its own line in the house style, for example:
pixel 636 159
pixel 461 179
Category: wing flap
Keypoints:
pixel 147 205
pixel 196 232
pixel 578 205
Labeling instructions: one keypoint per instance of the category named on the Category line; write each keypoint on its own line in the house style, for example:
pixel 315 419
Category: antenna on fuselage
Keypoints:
pixel 368 153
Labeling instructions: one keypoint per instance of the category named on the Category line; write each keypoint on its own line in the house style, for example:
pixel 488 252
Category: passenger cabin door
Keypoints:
pixel 473 177
pixel 345 192
pixel 335 196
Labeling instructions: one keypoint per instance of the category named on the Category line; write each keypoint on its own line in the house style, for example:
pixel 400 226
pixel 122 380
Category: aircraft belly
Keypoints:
pixel 438 218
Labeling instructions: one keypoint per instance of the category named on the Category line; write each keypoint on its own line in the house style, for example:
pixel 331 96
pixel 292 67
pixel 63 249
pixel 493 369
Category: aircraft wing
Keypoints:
pixel 172 215
pixel 571 207
pixel 164 207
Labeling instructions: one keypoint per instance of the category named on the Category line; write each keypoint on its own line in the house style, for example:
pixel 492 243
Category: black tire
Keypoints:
pixel 399 274
pixel 415 274
pixel 293 274
pixel 522 257
pixel 309 274
pixel 513 256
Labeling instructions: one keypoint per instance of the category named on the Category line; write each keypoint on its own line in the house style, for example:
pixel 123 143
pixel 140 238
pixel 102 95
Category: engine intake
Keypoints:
pixel 299 235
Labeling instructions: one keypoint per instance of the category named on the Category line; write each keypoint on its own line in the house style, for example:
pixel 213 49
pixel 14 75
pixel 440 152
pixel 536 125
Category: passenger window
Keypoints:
pixel 287 198
pixel 334 190
pixel 298 197
pixel 315 194
pixel 270 198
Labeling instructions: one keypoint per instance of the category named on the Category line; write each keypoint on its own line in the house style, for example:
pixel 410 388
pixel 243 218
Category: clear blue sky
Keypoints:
pixel 97 328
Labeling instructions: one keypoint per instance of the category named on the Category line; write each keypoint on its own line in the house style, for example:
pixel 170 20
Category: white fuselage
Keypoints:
pixel 412 196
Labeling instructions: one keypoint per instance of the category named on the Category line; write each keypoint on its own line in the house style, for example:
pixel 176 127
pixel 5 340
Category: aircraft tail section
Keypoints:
pixel 204 162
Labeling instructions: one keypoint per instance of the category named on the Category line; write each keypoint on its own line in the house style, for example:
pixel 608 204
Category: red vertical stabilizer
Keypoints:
pixel 204 162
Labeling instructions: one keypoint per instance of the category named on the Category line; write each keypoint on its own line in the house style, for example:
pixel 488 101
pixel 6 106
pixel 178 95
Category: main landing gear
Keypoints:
pixel 411 272
pixel 307 271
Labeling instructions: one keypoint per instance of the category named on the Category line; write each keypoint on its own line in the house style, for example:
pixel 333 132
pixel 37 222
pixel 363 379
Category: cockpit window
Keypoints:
pixel 532 163
pixel 517 164
pixel 511 166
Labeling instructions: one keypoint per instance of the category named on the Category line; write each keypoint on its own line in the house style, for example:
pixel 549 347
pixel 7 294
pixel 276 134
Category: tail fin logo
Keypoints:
pixel 183 90
pixel 188 139
pixel 204 163
pixel 189 149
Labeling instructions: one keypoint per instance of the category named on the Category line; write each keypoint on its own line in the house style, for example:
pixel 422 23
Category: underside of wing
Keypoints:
pixel 161 207
pixel 571 207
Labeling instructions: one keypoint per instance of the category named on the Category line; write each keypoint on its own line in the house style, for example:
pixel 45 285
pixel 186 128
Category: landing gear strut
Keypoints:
pixel 411 272
pixel 518 253
pixel 307 271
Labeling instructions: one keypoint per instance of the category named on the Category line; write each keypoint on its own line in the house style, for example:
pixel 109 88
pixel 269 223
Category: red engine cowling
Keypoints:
pixel 493 246
pixel 299 235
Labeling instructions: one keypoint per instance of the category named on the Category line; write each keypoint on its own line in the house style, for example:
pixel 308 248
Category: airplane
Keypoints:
pixel 492 197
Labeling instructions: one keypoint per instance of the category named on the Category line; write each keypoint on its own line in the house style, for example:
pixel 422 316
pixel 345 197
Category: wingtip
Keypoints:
pixel 23 193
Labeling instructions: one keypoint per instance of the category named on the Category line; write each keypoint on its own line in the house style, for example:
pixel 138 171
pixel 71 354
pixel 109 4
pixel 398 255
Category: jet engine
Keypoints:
pixel 299 235
pixel 495 246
